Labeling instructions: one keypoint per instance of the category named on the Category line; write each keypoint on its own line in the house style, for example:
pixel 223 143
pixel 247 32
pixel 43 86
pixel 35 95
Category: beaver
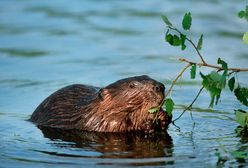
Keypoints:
pixel 119 107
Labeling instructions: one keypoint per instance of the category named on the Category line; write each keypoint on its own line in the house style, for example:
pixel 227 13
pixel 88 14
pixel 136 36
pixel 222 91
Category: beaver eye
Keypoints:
pixel 132 85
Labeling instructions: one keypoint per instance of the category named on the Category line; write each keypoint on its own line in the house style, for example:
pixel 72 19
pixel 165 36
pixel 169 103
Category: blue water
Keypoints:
pixel 45 45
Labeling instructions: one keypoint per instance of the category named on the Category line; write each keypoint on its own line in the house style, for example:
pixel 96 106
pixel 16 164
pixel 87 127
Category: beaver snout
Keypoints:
pixel 159 87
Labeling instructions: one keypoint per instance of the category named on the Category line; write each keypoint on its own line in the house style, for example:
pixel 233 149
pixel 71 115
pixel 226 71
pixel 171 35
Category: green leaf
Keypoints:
pixel 242 117
pixel 166 20
pixel 183 39
pixel 176 40
pixel 246 13
pixel 168 106
pixel 186 23
pixel 225 69
pixel 173 40
pixel 241 14
pixel 239 154
pixel 223 64
pixel 213 84
pixel 245 38
pixel 231 83
pixel 241 94
pixel 153 110
pixel 169 38
pixel 193 71
pixel 199 44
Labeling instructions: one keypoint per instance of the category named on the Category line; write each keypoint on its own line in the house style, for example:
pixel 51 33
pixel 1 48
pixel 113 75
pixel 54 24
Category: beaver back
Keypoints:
pixel 60 109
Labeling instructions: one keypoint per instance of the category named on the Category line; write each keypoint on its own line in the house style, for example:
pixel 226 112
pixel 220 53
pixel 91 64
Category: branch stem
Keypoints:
pixel 175 80
pixel 190 106
pixel 191 42
pixel 212 66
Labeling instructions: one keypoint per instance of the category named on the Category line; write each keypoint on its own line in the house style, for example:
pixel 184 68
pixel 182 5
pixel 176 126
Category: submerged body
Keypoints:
pixel 119 107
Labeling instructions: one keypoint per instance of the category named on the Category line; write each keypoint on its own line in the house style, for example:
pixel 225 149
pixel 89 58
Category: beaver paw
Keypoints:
pixel 148 127
pixel 163 120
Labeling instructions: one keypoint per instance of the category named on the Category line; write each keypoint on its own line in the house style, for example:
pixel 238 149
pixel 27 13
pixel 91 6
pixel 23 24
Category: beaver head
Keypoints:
pixel 123 107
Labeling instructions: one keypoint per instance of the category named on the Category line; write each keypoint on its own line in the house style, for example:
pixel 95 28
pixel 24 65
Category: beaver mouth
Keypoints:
pixel 161 120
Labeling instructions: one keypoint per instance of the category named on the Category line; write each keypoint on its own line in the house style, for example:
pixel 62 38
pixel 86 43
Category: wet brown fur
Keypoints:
pixel 120 107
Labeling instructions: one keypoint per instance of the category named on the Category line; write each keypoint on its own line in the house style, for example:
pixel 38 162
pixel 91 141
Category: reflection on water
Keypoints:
pixel 45 45
pixel 22 53
pixel 115 145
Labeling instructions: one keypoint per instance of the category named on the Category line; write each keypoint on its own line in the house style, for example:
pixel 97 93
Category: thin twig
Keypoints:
pixel 191 116
pixel 190 106
pixel 175 80
pixel 191 42
pixel 213 66
pixel 198 52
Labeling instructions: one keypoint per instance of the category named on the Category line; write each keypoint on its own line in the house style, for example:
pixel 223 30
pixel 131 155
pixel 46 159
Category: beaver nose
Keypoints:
pixel 159 87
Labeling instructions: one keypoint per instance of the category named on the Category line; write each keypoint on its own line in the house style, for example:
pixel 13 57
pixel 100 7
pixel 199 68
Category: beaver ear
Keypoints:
pixel 102 93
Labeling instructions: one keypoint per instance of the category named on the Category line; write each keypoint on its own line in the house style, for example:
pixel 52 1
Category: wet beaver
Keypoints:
pixel 119 107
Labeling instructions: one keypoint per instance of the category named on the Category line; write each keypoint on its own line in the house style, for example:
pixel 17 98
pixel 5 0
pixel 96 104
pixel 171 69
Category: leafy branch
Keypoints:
pixel 213 82
pixel 243 14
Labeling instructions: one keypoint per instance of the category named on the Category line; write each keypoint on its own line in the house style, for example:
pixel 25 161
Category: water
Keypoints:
pixel 45 45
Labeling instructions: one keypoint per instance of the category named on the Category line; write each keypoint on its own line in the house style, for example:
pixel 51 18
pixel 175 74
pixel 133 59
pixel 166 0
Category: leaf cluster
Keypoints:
pixel 243 14
pixel 180 38
pixel 214 82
